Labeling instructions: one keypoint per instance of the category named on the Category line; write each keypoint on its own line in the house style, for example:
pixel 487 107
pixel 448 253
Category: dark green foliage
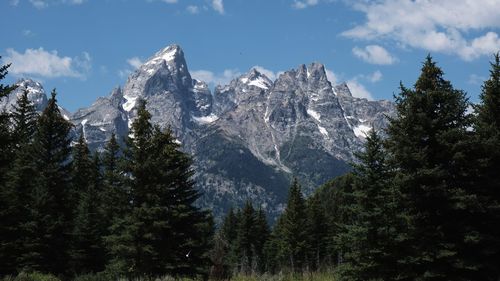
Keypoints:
pixel 484 251
pixel 6 265
pixel 293 231
pixel 317 236
pixel 87 247
pixel 18 184
pixel 243 236
pixel 114 195
pixel 428 142
pixel 163 233
pixel 370 236
pixel 50 215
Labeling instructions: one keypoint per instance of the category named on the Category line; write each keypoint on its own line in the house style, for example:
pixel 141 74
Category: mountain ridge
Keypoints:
pixel 248 138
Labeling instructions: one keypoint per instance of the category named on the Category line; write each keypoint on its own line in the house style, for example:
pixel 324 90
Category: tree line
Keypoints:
pixel 66 211
pixel 422 201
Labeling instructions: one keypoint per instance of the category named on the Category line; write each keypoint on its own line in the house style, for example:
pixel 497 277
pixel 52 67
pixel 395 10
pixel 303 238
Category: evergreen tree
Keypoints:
pixel 5 196
pixel 261 234
pixel 293 229
pixel 50 215
pixel 164 233
pixel 19 183
pixel 484 252
pixel 370 235
pixel 228 233
pixel 87 249
pixel 427 141
pixel 245 236
pixel 317 233
pixel 115 196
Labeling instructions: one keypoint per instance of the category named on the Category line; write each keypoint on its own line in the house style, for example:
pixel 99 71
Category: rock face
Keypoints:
pixel 251 136
pixel 36 94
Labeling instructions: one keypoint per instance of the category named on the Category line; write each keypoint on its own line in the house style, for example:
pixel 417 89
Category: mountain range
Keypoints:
pixel 248 138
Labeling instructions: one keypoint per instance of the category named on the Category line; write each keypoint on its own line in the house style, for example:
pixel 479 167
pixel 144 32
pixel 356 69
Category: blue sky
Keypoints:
pixel 85 48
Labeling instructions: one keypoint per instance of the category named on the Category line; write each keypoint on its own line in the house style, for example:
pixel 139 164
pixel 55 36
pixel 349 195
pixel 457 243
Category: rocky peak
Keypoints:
pixel 255 78
pixel 342 90
pixel 36 94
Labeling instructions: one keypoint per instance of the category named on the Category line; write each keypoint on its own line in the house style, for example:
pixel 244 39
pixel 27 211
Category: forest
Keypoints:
pixel 421 203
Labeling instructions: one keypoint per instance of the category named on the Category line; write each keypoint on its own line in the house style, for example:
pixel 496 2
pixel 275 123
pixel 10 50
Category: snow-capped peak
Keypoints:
pixel 257 79
pixel 168 54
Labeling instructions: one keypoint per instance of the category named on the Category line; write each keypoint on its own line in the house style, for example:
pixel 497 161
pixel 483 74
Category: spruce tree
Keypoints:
pixel 372 232
pixel 87 248
pixel 49 226
pixel 5 196
pixel 19 182
pixel 115 196
pixel 317 233
pixel 163 233
pixel 245 238
pixel 427 141
pixel 293 229
pixel 261 234
pixel 484 252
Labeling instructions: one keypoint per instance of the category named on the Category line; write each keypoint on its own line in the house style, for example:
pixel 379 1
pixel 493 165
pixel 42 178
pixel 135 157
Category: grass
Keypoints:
pixel 326 276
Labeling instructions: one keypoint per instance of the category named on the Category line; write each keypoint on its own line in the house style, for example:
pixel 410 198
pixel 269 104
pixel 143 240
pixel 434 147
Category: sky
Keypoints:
pixel 85 48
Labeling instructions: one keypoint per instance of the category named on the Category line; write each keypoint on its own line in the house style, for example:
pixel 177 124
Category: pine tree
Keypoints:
pixel 427 141
pixel 164 233
pixel 87 248
pixel 5 196
pixel 293 229
pixel 372 232
pixel 19 182
pixel 261 234
pixel 317 233
pixel 245 236
pixel 228 233
pixel 115 195
pixel 485 237
pixel 50 210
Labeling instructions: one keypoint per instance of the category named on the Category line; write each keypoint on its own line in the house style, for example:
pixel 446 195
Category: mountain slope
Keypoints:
pixel 251 136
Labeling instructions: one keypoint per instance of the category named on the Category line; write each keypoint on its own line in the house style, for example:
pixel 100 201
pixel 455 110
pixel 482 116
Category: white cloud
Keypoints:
pixel 193 9
pixel 215 78
pixel 432 25
pixel 476 79
pixel 169 1
pixel 40 4
pixel 218 6
pixel 14 2
pixel 135 62
pixel 39 62
pixel 332 77
pixel 375 76
pixel 374 54
pixel 28 33
pixel 267 72
pixel 304 4
pixel 358 90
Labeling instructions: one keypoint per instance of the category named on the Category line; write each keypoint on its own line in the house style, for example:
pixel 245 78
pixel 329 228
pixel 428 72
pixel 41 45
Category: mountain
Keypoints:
pixel 36 94
pixel 250 137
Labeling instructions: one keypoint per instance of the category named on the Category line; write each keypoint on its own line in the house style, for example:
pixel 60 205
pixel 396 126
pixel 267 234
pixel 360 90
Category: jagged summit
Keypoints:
pixel 254 78
pixel 170 54
pixel 36 94
pixel 342 89
pixel 247 139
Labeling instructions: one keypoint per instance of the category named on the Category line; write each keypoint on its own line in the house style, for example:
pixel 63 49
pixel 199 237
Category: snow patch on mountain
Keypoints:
pixel 206 119
pixel 314 114
pixel 259 82
pixel 361 131
pixel 130 103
